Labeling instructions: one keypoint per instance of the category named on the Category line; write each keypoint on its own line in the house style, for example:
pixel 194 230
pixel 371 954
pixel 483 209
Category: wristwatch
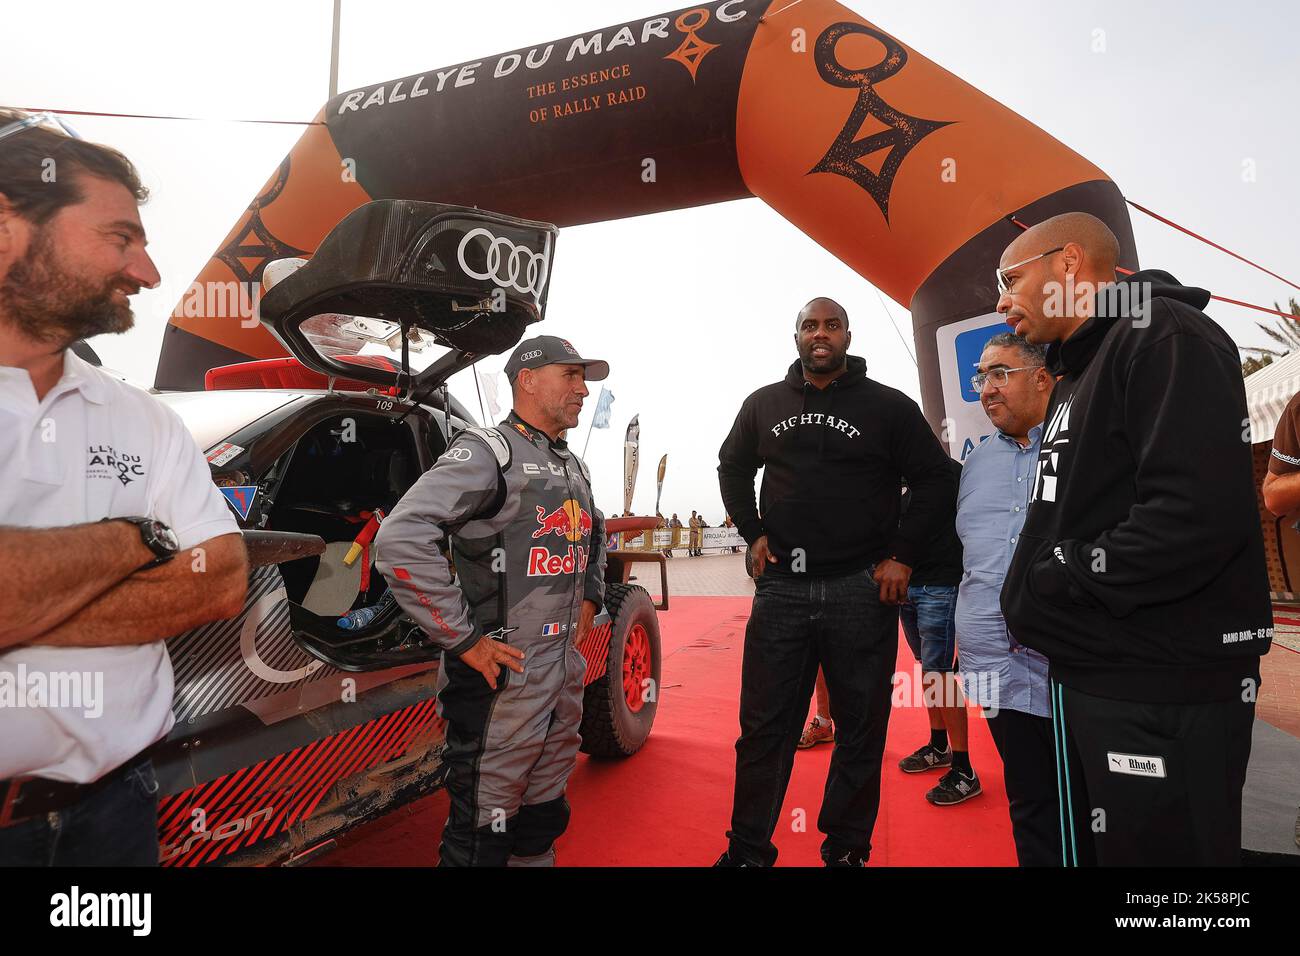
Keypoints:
pixel 157 537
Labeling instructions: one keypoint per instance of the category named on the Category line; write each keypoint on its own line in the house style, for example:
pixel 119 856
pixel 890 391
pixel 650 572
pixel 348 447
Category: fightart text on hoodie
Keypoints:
pixel 834 461
pixel 1140 571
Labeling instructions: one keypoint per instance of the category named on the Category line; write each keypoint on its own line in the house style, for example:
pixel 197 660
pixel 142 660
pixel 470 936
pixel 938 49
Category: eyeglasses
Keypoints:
pixel 1004 284
pixel 998 376
pixel 37 119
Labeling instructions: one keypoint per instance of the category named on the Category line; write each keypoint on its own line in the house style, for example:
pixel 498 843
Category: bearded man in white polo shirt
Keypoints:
pixel 112 535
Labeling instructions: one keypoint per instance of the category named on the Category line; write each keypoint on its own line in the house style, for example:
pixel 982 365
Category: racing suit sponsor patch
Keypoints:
pixel 571 521
pixel 541 561
pixel 435 615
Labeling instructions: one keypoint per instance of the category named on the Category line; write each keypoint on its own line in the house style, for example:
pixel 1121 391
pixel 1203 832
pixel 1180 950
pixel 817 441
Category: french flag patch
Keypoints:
pixel 551 630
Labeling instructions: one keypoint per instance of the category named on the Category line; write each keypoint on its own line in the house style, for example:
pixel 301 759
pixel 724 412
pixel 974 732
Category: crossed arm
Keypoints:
pixel 1282 493
pixel 79 586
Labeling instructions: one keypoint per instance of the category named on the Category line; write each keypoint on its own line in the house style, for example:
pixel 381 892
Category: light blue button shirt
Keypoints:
pixel 991 506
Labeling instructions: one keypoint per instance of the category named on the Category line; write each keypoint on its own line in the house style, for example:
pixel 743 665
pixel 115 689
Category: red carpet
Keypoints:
pixel 670 804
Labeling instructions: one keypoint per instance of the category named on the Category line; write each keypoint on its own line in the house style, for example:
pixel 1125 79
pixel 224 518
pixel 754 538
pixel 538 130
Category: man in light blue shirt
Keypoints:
pixel 1009 681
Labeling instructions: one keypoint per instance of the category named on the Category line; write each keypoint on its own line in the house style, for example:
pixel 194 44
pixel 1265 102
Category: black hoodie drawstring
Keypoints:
pixel 803 405
pixel 830 407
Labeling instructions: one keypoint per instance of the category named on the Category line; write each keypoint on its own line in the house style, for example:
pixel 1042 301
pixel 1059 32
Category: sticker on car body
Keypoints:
pixel 224 453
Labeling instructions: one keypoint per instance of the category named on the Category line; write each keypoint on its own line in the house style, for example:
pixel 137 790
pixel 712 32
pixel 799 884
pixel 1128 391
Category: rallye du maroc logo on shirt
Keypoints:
pixel 573 523
pixel 105 462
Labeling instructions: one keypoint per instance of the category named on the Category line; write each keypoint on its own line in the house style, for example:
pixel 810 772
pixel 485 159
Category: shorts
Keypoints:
pixel 928 625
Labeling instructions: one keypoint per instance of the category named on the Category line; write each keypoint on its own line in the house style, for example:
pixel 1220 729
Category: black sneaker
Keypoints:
pixel 927 758
pixel 954 787
pixel 843 858
pixel 728 860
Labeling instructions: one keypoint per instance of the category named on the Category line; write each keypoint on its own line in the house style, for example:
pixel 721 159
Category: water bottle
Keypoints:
pixel 355 620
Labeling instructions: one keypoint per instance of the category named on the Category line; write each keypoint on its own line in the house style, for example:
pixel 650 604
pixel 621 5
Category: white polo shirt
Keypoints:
pixel 93 448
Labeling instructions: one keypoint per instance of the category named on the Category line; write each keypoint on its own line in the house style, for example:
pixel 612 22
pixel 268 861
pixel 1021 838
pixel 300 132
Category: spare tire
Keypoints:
pixel 618 708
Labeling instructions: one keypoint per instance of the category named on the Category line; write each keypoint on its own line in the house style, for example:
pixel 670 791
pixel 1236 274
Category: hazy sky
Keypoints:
pixel 1184 97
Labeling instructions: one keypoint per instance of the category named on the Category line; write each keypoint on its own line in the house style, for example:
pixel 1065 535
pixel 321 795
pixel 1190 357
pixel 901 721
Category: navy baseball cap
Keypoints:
pixel 553 350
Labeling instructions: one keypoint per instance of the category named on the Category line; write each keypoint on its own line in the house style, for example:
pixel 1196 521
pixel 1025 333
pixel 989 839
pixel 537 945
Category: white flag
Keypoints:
pixel 488 382
pixel 604 406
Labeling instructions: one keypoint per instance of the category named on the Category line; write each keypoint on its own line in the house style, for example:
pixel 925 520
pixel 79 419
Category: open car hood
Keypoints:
pixel 460 282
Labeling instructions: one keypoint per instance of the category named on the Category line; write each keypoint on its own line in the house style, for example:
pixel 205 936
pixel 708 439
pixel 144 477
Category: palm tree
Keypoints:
pixel 1285 332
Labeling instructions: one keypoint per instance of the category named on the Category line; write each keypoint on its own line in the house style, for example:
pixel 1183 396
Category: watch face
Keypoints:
pixel 166 536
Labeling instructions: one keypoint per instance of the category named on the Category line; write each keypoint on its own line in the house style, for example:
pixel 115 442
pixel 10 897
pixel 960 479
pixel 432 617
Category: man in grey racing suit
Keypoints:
pixel 514 505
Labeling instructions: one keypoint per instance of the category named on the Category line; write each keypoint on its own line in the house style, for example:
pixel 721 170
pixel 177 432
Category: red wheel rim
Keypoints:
pixel 636 667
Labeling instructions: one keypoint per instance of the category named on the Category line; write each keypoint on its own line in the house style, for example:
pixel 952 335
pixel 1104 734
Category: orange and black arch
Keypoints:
pixel 896 166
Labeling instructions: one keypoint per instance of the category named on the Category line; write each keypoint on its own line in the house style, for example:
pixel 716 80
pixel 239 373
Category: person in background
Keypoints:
pixel 1004 677
pixel 694 549
pixel 728 523
pixel 1282 483
pixel 820 729
pixel 927 619
pixel 660 525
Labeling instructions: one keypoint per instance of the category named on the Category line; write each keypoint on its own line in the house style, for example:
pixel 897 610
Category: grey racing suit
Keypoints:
pixel 528 545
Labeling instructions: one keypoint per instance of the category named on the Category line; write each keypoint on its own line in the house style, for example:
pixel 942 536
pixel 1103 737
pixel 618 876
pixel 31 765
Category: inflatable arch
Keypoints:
pixel 910 176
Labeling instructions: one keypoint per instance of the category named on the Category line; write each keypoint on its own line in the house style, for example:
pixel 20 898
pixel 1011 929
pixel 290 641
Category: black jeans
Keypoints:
pixel 115 826
pixel 1026 746
pixel 797 623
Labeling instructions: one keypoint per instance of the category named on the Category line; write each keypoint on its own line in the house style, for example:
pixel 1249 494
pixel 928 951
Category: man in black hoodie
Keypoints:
pixel 1140 572
pixel 831 565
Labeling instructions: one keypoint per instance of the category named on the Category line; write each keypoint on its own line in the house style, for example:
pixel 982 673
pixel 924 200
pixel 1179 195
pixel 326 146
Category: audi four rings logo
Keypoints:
pixel 458 454
pixel 507 263
pixel 535 353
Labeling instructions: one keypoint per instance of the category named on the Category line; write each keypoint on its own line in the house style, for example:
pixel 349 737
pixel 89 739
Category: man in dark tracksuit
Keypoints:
pixel 831 565
pixel 515 507
pixel 1140 571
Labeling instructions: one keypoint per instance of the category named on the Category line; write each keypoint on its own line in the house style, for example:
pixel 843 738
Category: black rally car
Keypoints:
pixel 289 729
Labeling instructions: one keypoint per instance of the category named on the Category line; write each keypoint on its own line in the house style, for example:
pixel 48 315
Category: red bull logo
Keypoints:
pixel 570 521
pixel 541 562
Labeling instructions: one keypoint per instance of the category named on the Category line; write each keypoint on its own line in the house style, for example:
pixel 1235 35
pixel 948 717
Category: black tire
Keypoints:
pixel 610 727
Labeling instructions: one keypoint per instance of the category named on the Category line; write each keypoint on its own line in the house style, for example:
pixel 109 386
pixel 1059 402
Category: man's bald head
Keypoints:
pixel 822 305
pixel 1099 245
pixel 1049 276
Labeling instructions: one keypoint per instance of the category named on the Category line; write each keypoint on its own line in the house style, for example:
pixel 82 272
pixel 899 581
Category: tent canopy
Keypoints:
pixel 1267 393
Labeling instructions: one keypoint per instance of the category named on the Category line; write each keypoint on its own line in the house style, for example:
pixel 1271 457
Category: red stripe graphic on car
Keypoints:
pixel 257 802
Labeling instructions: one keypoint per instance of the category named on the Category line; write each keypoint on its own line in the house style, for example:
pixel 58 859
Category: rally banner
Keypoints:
pixel 722 538
pixel 668 538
